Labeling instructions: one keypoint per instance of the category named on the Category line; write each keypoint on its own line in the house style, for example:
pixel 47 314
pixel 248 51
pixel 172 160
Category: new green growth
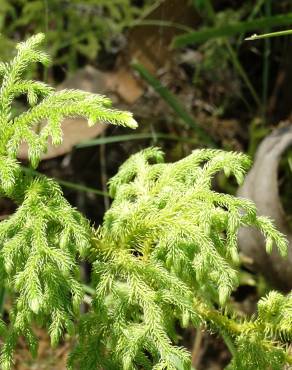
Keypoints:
pixel 165 255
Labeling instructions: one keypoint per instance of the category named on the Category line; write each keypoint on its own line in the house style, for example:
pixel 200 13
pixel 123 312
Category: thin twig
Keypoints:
pixel 196 351
pixel 103 175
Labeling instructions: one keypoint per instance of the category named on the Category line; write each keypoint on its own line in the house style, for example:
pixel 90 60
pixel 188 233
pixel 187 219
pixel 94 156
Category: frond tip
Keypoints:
pixel 165 255
pixel 48 108
pixel 40 244
pixel 167 251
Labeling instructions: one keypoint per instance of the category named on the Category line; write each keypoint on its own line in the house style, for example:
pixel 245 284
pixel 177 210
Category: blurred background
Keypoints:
pixel 192 80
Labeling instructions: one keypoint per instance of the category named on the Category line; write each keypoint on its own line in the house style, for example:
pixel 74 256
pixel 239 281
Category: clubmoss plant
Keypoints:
pixel 166 254
pixel 41 241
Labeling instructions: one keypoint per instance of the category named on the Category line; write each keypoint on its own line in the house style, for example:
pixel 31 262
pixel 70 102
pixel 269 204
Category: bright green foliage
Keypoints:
pixel 165 255
pixel 41 242
pixel 74 27
pixel 256 344
pixel 167 251
pixel 53 107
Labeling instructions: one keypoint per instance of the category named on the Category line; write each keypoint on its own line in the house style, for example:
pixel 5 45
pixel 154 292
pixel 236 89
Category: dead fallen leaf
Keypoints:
pixel 150 43
pixel 76 130
pixel 123 83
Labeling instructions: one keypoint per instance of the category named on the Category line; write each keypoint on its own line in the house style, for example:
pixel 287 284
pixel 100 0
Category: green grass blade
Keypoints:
pixel 130 137
pixel 173 102
pixel 270 34
pixel 208 8
pixel 68 184
pixel 161 23
pixel 254 13
pixel 232 29
pixel 241 71
pixel 266 62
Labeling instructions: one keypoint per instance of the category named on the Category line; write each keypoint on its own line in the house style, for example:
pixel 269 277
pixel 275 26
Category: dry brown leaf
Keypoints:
pixel 76 130
pixel 121 82
pixel 124 84
pixel 149 44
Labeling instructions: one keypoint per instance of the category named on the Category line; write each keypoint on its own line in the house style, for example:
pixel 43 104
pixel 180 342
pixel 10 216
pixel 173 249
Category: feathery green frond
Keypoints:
pixel 41 243
pixel 47 107
pixel 167 251
pixel 166 254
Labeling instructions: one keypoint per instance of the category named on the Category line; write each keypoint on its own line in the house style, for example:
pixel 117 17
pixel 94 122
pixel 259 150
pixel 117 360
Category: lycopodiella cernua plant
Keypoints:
pixel 165 255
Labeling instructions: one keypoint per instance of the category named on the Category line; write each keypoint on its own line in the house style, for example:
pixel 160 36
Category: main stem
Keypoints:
pixel 229 328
